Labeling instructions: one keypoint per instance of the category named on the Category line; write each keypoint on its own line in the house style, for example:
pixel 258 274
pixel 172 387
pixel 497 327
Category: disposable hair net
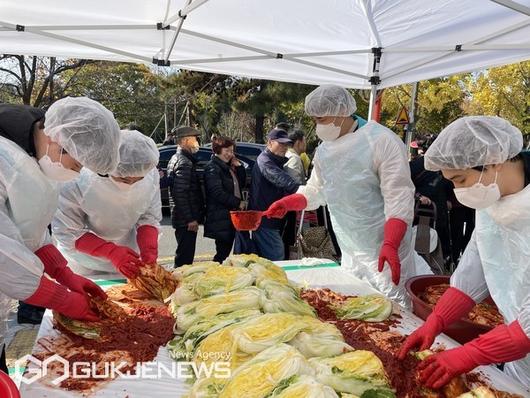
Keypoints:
pixel 474 141
pixel 86 130
pixel 330 100
pixel 138 155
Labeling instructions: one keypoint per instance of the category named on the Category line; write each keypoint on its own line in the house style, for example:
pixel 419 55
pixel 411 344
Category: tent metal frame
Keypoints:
pixel 163 56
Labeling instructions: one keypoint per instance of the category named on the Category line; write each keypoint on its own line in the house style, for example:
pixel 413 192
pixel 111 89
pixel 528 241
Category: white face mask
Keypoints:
pixel 328 132
pixel 479 196
pixel 55 170
pixel 122 186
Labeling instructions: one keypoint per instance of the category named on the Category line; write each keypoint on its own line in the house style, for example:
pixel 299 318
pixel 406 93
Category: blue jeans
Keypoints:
pixel 269 243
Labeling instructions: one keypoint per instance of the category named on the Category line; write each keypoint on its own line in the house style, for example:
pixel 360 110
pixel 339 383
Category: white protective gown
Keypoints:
pixel 364 178
pixel 497 262
pixel 28 200
pixel 92 203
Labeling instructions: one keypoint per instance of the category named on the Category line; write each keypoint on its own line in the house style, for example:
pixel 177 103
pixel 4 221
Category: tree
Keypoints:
pixel 37 81
pixel 439 102
pixel 502 91
pixel 266 99
pixel 131 91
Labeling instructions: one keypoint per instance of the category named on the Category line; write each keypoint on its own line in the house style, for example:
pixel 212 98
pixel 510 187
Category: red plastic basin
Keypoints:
pixel 461 331
pixel 8 389
pixel 249 220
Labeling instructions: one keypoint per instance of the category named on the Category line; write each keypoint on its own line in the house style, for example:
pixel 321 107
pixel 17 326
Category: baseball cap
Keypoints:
pixel 279 135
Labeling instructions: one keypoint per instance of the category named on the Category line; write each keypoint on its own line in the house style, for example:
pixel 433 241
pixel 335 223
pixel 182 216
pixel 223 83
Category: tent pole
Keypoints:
pixel 176 34
pixel 378 105
pixel 184 11
pixel 373 97
pixel 165 121
pixel 484 39
pixel 411 126
pixel 513 6
pixel 374 81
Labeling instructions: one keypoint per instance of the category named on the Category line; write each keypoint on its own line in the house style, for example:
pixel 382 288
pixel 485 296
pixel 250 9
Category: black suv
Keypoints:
pixel 203 156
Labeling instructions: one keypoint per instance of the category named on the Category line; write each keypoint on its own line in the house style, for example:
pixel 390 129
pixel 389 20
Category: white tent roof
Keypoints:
pixel 306 41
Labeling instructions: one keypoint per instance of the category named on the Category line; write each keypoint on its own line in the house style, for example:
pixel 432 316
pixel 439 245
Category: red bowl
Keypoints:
pixel 249 220
pixel 461 331
pixel 8 388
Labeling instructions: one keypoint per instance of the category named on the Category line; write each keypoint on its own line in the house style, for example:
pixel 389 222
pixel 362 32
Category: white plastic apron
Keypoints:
pixel 32 202
pixel 352 191
pixel 112 215
pixel 503 241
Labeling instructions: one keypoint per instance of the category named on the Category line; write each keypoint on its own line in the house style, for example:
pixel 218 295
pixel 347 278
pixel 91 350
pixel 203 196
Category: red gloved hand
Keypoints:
pixel 505 343
pixel 147 239
pixel 125 260
pixel 279 209
pixel 394 232
pixel 56 297
pixel 453 305
pixel 55 266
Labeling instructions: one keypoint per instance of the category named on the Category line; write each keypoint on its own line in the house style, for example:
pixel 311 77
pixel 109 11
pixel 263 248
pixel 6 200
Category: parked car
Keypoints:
pixel 203 156
pixel 250 150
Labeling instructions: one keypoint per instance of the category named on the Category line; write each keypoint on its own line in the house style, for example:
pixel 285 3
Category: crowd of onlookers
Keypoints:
pixel 279 170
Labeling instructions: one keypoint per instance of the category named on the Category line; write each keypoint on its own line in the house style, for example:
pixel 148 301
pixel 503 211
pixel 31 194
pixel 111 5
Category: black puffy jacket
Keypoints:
pixel 186 190
pixel 220 198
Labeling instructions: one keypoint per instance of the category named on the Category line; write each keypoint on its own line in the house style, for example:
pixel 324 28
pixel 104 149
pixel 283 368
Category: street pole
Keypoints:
pixel 411 126
pixel 165 121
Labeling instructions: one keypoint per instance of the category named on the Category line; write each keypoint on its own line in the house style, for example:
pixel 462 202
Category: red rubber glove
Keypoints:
pixel 125 260
pixel 279 209
pixel 147 239
pixel 505 343
pixel 55 266
pixel 56 297
pixel 453 305
pixel 394 232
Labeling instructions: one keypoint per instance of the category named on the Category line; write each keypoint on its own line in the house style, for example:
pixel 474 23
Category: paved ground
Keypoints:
pixel 166 248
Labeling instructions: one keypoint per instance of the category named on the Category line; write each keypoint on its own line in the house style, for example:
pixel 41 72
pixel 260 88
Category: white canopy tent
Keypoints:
pixel 353 43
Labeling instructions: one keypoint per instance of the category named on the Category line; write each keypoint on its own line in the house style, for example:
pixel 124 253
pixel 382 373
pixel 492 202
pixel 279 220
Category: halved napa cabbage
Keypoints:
pixel 268 271
pixel 221 279
pixel 354 373
pixel 320 339
pixel 186 270
pixel 479 392
pixel 302 386
pixel 209 387
pixel 421 355
pixel 264 331
pixel 259 266
pixel 209 307
pixel 370 308
pixel 183 347
pixel 244 260
pixel 215 280
pixel 259 376
pixel 220 346
pixel 279 297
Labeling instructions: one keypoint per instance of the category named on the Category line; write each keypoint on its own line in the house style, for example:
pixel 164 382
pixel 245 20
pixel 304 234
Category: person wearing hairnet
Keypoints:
pixel 36 150
pixel 361 172
pixel 482 156
pixel 110 223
